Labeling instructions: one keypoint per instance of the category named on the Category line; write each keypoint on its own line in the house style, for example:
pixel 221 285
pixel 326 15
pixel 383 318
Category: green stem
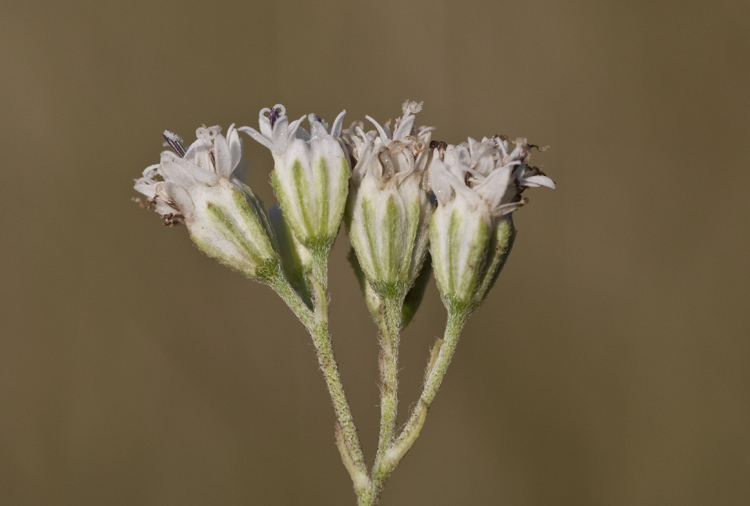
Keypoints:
pixel 288 294
pixel 353 458
pixel 320 256
pixel 317 325
pixel 441 359
pixel 390 329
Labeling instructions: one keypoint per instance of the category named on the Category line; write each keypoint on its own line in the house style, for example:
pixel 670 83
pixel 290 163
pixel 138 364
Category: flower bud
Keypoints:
pixel 310 176
pixel 201 188
pixel 477 185
pixel 388 209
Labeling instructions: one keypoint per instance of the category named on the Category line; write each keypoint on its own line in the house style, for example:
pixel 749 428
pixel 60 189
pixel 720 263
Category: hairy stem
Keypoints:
pixel 390 329
pixel 288 294
pixel 440 360
pixel 317 325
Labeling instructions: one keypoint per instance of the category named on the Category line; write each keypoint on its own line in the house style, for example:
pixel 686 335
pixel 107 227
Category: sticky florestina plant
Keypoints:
pixel 410 205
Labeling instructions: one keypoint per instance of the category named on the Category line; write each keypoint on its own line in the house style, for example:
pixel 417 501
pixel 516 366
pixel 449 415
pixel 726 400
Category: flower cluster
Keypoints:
pixel 411 206
pixel 398 192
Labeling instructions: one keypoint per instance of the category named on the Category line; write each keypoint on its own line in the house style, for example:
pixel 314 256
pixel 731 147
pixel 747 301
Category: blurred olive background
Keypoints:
pixel 609 366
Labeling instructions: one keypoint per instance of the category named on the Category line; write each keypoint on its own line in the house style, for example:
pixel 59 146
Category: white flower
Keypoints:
pixel 202 188
pixel 476 185
pixel 388 208
pixel 310 176
pixel 486 176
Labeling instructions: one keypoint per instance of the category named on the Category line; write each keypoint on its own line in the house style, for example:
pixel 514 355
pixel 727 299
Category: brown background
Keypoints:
pixel 608 367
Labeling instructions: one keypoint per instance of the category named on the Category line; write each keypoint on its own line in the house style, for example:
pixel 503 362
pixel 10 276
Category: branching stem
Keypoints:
pixel 440 360
pixel 317 325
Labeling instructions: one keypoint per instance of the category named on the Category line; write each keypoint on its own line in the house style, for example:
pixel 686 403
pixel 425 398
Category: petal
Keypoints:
pixel 280 136
pixel 363 163
pixel 235 145
pixel 265 123
pixel 199 154
pixel 223 157
pixel 180 197
pixel 493 188
pixel 292 129
pixel 536 182
pixel 318 130
pixel 205 176
pixel 151 171
pixel 337 124
pixel 404 126
pixel 163 208
pixel 257 136
pixel 441 182
pixel 146 187
pixel 190 153
pixel 383 136
pixel 175 173
pixel 197 173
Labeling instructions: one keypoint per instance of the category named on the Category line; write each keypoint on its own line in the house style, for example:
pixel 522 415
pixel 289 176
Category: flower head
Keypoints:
pixel 388 208
pixel 311 173
pixel 477 186
pixel 202 187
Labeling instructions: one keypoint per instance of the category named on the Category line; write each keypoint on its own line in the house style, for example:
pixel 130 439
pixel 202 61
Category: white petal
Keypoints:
pixel 235 145
pixel 293 127
pixel 404 126
pixel 383 136
pixel 257 136
pixel 199 154
pixel 265 123
pixel 175 173
pixel 493 188
pixel 146 187
pixel 201 175
pixel 318 130
pixel 536 182
pixel 363 162
pixel 180 197
pixel 191 153
pixel 441 182
pixel 280 137
pixel 163 208
pixel 337 124
pixel 151 171
pixel 223 157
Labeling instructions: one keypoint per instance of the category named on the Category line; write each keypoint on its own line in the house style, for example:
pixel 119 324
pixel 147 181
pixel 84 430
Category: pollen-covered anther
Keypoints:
pixel 174 141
